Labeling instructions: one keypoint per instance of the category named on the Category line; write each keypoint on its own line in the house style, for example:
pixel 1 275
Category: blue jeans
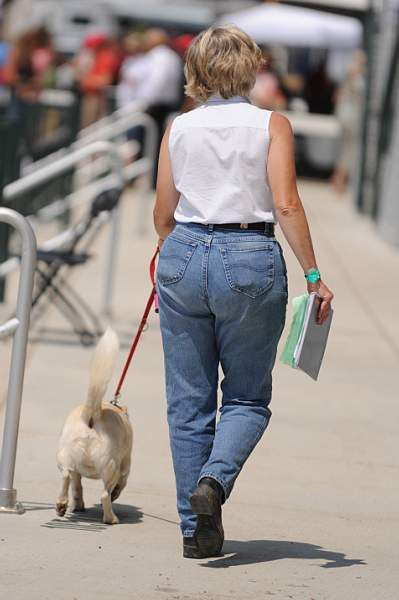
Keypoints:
pixel 222 300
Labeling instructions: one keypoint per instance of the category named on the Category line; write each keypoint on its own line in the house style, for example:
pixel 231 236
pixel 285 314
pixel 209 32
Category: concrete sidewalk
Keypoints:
pixel 314 514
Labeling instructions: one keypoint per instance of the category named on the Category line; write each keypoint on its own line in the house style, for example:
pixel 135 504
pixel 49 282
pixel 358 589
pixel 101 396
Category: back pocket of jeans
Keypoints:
pixel 249 270
pixel 173 260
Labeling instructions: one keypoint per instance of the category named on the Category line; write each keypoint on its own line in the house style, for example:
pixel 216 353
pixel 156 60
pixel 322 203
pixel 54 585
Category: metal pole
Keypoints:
pixel 8 495
pixel 113 247
pixel 111 263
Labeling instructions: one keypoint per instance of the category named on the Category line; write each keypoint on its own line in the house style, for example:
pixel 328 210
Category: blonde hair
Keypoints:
pixel 221 60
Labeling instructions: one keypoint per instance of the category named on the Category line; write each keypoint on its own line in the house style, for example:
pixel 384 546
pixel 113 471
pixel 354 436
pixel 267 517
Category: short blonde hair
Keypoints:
pixel 221 60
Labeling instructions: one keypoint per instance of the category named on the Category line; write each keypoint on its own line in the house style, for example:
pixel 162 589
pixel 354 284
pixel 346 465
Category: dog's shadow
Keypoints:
pixel 91 518
pixel 258 551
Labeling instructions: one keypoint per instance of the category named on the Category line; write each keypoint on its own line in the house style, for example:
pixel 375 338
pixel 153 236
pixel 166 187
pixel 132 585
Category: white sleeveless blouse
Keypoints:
pixel 218 154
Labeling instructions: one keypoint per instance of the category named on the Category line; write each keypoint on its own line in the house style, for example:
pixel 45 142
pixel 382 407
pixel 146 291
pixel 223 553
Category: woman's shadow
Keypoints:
pixel 257 551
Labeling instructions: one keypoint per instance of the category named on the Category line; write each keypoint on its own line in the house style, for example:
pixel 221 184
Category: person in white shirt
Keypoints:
pixel 163 86
pixel 152 71
pixel 152 74
pixel 133 72
pixel 163 83
pixel 226 177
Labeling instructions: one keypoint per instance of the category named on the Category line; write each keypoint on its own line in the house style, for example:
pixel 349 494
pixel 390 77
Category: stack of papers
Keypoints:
pixel 307 340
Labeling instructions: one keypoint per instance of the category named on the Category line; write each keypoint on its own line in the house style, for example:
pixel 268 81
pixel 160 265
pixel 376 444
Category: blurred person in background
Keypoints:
pixel 164 84
pixel 348 111
pixel 31 64
pixel 267 91
pixel 4 50
pixel 97 67
pixel 132 75
pixel 319 90
pixel 152 72
pixel 181 43
pixel 133 71
pixel 153 75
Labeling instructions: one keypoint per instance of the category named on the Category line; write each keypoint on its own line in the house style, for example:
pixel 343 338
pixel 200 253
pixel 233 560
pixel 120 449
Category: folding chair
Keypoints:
pixel 53 265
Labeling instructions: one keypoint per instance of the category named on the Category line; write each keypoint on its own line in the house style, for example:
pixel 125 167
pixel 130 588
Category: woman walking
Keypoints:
pixel 226 176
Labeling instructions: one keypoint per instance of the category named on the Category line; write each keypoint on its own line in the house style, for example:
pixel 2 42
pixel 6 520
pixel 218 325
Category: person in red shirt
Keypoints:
pixel 97 67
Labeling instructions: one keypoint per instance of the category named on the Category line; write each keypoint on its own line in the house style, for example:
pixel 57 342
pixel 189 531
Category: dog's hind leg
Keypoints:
pixel 77 493
pixel 62 502
pixel 120 486
pixel 108 514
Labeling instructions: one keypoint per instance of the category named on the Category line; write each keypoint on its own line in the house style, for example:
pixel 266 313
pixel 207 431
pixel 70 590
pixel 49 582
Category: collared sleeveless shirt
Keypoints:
pixel 218 154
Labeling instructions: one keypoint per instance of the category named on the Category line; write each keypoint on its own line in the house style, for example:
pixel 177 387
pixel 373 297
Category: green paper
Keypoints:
pixel 299 304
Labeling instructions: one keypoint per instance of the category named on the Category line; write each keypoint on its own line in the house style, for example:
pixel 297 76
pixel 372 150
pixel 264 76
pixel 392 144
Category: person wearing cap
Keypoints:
pixel 226 178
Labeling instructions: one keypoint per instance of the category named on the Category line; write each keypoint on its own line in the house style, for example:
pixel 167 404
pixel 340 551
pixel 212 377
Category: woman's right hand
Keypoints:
pixel 325 295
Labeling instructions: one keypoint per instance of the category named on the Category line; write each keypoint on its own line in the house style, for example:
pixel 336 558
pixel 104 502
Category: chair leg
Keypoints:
pixel 67 309
pixel 84 306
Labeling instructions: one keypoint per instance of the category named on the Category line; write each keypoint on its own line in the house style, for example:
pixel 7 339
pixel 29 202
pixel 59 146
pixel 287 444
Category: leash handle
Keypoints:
pixel 152 298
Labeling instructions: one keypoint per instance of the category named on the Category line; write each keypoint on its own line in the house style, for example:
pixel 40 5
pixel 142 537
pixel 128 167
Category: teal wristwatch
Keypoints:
pixel 313 275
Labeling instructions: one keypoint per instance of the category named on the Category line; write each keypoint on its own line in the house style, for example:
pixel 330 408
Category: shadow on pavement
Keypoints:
pixel 257 551
pixel 91 518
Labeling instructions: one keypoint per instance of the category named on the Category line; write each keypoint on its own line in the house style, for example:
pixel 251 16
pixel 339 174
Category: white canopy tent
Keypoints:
pixel 277 24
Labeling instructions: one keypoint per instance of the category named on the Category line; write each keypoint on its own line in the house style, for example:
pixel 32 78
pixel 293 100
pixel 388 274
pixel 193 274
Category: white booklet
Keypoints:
pixel 311 345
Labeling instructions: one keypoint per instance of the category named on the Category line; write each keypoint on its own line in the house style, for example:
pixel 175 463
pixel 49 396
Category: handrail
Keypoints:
pixel 134 107
pixel 87 145
pixel 109 128
pixel 19 327
pixel 60 166
pixel 63 164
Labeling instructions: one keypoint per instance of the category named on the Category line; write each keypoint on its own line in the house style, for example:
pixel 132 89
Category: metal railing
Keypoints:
pixel 129 109
pixel 54 169
pixel 119 126
pixel 112 128
pixel 18 327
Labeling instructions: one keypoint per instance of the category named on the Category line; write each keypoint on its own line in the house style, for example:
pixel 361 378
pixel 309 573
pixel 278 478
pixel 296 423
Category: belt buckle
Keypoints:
pixel 243 225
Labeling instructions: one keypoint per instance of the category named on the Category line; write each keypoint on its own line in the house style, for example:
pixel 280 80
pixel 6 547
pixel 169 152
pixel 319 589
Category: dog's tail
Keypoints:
pixel 100 374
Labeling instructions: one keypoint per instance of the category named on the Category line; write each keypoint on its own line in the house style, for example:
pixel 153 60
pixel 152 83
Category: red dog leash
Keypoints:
pixel 151 300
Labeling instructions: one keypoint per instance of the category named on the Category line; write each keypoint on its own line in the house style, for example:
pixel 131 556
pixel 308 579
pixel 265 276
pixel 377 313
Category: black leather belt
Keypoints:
pixel 267 228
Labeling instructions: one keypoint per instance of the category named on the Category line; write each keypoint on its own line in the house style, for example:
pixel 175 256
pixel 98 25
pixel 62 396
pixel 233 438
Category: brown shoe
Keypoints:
pixel 206 502
pixel 190 548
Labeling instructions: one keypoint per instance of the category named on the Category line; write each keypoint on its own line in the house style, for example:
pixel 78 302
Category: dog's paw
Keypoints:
pixel 112 520
pixel 60 508
pixel 78 507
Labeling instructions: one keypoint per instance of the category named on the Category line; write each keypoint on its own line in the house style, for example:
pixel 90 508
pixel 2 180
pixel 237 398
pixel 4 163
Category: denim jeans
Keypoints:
pixel 222 299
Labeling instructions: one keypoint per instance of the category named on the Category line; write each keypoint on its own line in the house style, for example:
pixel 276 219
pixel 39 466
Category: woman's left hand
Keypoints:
pixel 325 295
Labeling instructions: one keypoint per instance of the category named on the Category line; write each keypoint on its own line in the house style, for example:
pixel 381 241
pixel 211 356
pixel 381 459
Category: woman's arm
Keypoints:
pixel 167 196
pixel 289 209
